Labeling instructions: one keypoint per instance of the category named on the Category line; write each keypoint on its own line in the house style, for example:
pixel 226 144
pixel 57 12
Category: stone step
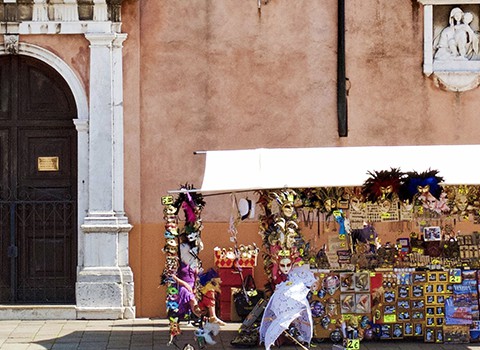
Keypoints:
pixel 38 312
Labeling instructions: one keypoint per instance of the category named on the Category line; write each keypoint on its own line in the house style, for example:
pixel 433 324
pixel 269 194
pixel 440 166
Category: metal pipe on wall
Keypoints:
pixel 342 115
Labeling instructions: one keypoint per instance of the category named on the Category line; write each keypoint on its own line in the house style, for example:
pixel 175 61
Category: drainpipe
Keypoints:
pixel 341 76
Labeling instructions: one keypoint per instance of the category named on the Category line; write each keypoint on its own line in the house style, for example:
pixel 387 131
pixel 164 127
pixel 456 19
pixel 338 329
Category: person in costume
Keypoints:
pixel 210 282
pixel 187 274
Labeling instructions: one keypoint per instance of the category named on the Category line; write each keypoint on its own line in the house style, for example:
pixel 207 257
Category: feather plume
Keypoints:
pixel 382 184
pixel 415 182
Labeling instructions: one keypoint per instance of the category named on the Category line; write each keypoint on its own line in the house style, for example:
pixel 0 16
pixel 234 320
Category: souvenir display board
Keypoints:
pixel 436 306
pixel 325 304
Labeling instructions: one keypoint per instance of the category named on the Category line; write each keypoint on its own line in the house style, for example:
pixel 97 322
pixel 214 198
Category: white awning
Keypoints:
pixel 256 169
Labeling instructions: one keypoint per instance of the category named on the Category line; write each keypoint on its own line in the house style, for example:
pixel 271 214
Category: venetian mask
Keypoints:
pixel 331 284
pixel 329 204
pixel 288 209
pixel 170 210
pixel 461 201
pixel 285 265
pixel 332 306
pixel 192 236
pixel 356 204
pixel 170 249
pixel 317 308
pixel 325 322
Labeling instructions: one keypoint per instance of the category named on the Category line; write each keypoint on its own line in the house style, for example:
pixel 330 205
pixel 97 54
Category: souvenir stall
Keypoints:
pixel 385 257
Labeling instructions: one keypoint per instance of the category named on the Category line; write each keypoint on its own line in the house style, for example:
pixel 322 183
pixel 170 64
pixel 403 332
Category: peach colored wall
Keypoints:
pixel 209 75
pixel 74 51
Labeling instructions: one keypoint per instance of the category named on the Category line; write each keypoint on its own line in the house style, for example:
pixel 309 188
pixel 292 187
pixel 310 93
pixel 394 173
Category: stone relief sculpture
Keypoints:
pixel 11 44
pixel 457 41
pixel 451 55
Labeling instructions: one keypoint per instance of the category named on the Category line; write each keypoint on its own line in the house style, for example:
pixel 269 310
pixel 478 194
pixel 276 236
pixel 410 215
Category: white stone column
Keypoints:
pixel 82 183
pixel 428 39
pixel 105 281
pixel 70 11
pixel 100 10
pixel 118 200
pixel 40 11
pixel 118 173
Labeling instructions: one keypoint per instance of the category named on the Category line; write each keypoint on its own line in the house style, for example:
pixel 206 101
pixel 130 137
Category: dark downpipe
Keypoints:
pixel 341 76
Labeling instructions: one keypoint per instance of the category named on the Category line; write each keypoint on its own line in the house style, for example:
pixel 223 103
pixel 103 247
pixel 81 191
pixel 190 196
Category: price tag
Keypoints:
pixel 389 318
pixel 167 200
pixel 353 344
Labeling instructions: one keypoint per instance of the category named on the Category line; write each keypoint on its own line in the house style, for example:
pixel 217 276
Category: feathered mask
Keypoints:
pixel 190 202
pixel 382 184
pixel 426 182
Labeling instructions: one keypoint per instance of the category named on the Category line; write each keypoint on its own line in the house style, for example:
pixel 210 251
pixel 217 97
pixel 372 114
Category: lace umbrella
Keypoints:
pixel 287 306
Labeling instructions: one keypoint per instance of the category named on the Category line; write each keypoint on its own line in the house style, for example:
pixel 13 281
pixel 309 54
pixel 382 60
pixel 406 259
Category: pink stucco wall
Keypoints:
pixel 209 75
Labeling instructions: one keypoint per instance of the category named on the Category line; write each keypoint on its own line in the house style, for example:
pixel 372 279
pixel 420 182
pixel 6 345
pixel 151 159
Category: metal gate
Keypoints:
pixel 37 236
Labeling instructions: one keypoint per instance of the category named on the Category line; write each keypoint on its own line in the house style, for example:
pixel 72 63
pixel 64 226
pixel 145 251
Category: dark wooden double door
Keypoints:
pixel 38 184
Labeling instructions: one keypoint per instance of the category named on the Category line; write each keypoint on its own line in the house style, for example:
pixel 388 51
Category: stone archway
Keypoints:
pixel 104 287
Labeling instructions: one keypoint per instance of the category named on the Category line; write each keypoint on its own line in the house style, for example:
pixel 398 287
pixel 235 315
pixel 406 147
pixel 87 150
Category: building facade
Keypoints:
pixel 104 103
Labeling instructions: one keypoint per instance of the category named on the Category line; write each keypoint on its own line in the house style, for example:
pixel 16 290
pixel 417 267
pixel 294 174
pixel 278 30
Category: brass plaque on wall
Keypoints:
pixel 47 164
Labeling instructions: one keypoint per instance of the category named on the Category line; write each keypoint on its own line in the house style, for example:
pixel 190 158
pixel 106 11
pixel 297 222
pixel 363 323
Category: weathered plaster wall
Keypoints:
pixel 74 52
pixel 391 102
pixel 208 75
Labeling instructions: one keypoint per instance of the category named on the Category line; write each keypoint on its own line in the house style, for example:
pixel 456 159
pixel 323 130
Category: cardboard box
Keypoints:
pixel 226 261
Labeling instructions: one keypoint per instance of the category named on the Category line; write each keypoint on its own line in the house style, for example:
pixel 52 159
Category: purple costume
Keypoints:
pixel 189 275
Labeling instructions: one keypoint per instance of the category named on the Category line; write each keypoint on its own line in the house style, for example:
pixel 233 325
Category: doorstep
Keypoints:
pixel 38 312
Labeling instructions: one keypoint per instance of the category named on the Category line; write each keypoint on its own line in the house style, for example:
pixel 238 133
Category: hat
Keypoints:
pixel 245 208
pixel 205 277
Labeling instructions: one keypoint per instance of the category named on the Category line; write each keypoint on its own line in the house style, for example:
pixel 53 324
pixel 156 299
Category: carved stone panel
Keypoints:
pixel 451 43
pixel 59 10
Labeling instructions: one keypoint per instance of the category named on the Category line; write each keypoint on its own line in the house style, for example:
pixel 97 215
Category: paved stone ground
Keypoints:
pixel 143 334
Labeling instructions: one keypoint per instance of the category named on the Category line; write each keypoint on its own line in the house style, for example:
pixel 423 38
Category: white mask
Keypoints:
pixel 285 265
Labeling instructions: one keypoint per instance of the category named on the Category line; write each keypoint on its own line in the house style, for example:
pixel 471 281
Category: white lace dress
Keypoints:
pixel 289 305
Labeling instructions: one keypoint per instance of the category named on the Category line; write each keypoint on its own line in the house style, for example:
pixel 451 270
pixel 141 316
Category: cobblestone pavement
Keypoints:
pixel 143 334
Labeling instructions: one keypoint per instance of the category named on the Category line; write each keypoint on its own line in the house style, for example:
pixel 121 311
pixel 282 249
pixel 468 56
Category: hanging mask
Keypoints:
pixel 168 249
pixel 171 242
pixel 172 305
pixel 322 293
pixel 331 284
pixel 364 322
pixel 193 236
pixel 317 308
pixel 169 210
pixel 325 322
pixel 368 334
pixel 172 219
pixel 288 210
pixel 285 265
pixel 336 336
pixel 170 235
pixel 172 290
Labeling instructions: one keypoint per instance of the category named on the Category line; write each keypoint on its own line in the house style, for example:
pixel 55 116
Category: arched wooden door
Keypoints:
pixel 38 184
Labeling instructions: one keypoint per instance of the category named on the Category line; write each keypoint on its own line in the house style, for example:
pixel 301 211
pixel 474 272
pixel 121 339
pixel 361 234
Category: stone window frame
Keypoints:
pixel 454 76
